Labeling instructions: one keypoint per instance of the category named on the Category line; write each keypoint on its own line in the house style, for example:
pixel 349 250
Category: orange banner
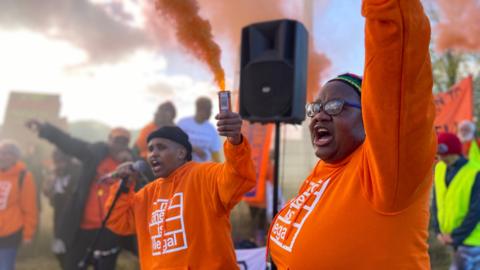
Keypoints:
pixel 259 136
pixel 454 106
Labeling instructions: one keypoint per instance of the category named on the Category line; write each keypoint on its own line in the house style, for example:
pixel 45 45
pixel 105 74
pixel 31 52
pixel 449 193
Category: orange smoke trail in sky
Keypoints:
pixel 225 20
pixel 317 64
pixel 459 26
pixel 244 12
pixel 195 33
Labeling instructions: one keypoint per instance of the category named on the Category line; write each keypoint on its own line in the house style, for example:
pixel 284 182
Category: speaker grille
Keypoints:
pixel 273 72
pixel 268 87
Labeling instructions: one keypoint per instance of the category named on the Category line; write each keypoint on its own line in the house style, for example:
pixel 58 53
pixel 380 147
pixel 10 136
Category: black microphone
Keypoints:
pixel 139 166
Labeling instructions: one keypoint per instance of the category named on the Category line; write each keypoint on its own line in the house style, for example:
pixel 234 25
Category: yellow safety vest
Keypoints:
pixel 474 151
pixel 453 202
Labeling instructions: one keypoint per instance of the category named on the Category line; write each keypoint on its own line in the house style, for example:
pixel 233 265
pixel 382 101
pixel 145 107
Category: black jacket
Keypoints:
pixel 61 212
pixel 90 155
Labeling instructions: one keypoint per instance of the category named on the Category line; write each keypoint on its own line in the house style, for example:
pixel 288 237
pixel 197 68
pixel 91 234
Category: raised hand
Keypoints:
pixel 230 125
pixel 34 125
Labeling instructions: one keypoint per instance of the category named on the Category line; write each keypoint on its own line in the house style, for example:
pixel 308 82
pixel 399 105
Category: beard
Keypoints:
pixel 466 137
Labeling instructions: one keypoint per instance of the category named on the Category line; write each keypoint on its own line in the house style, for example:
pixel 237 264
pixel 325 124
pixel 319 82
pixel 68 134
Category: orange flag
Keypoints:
pixel 259 136
pixel 454 106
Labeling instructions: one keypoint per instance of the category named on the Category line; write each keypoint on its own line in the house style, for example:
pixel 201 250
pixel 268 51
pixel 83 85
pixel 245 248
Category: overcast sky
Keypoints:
pixel 101 57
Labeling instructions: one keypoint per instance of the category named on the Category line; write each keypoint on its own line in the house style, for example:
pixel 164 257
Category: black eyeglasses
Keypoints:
pixel 332 107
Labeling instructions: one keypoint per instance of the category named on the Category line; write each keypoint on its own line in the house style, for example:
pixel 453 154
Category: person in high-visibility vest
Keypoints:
pixel 456 203
pixel 471 144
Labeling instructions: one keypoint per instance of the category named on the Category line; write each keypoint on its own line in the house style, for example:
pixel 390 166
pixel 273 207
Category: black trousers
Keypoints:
pixel 108 241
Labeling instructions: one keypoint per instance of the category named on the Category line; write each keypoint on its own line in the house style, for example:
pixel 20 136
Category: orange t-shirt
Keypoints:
pixel 182 222
pixel 141 142
pixel 94 211
pixel 371 210
pixel 18 205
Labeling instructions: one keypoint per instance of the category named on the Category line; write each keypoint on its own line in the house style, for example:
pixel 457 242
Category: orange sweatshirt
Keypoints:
pixel 18 205
pixel 141 142
pixel 371 210
pixel 182 222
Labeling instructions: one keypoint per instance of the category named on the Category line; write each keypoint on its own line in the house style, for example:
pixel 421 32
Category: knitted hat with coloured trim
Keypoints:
pixel 352 80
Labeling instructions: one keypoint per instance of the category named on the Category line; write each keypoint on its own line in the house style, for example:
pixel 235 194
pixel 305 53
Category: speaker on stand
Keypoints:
pixel 273 79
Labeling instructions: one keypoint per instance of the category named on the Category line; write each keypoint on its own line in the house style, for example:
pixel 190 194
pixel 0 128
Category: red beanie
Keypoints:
pixel 448 144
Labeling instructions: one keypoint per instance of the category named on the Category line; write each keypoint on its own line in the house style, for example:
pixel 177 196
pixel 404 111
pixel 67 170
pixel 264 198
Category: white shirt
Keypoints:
pixel 203 136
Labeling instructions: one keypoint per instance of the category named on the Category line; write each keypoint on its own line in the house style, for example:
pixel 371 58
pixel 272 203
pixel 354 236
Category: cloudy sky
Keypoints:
pixel 111 62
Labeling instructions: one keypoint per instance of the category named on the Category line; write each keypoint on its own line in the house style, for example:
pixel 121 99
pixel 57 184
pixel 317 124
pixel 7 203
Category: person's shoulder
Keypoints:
pixel 149 186
pixel 184 121
pixel 474 163
pixel 210 126
pixel 192 168
pixel 202 167
pixel 148 127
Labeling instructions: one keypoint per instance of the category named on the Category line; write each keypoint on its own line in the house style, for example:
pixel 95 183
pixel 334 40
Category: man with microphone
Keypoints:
pixel 182 218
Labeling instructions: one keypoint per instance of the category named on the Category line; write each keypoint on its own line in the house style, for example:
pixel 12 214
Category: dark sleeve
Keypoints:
pixel 136 151
pixel 473 217
pixel 435 225
pixel 69 145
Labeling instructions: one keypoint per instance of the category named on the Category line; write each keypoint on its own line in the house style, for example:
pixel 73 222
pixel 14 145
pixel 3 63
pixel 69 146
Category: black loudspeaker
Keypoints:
pixel 273 72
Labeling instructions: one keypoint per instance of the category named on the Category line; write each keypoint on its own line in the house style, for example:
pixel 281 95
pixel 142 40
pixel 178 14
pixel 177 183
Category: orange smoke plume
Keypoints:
pixel 459 26
pixel 194 32
pixel 317 64
pixel 225 20
pixel 229 17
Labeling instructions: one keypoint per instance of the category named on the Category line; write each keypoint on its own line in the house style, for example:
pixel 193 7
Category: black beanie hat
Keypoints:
pixel 175 134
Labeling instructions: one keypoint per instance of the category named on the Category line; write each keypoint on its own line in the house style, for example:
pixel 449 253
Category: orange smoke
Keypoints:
pixel 225 20
pixel 229 17
pixel 459 26
pixel 194 33
pixel 317 64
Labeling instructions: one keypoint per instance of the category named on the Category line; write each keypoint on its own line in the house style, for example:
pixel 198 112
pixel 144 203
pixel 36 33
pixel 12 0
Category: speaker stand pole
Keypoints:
pixel 276 172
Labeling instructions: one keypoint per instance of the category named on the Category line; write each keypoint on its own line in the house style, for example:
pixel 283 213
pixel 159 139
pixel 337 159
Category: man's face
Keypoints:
pixel 336 137
pixel 465 132
pixel 448 159
pixel 61 163
pixel 164 114
pixel 203 110
pixel 117 144
pixel 7 159
pixel 165 156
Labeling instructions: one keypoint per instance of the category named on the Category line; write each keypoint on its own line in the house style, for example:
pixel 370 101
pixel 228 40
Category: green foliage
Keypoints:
pixel 451 67
pixel 476 95
pixel 446 69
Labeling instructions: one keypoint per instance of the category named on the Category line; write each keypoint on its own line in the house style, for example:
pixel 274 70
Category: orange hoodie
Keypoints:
pixel 182 222
pixel 371 210
pixel 18 205
pixel 141 142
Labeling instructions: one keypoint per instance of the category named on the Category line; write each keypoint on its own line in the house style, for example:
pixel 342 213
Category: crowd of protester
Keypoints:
pixel 365 204
pixel 75 189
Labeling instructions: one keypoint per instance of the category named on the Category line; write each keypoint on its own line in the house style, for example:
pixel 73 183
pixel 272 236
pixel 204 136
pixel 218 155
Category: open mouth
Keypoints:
pixel 322 136
pixel 156 165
